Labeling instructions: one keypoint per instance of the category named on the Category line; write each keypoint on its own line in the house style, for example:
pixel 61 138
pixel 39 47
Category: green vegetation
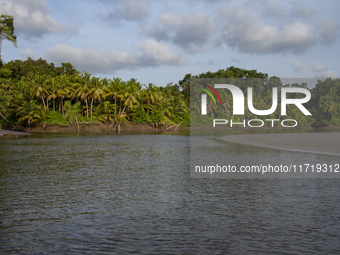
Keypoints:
pixel 34 91
pixel 37 92
pixel 7 30
pixel 324 104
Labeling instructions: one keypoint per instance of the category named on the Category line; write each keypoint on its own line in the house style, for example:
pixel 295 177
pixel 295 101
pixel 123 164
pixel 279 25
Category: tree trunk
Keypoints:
pixel 77 124
pixel 42 98
pixel 148 105
pixel 91 106
pixel 115 103
pixel 87 109
pixel 126 105
pixel 6 120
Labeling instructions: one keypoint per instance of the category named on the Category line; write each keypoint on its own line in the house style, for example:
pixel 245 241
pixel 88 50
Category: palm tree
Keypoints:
pixel 211 107
pixel 64 90
pixel 22 91
pixel 179 107
pixel 106 109
pixel 150 95
pixel 96 91
pixel 113 90
pixel 82 91
pixel 53 91
pixel 39 87
pixel 167 93
pixel 29 112
pixel 329 106
pixel 162 110
pixel 131 94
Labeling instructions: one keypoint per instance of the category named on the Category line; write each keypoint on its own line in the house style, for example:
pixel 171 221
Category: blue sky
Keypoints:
pixel 160 41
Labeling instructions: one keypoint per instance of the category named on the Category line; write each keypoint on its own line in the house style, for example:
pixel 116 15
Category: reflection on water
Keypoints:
pixel 105 194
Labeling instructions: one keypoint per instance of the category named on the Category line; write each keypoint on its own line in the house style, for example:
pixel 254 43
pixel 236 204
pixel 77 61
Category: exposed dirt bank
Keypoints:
pixel 7 134
pixel 127 127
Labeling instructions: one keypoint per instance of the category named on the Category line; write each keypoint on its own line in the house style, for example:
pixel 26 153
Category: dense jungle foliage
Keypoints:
pixel 34 91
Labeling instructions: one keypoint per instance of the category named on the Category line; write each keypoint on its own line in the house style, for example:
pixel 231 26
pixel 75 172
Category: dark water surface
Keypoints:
pixel 117 194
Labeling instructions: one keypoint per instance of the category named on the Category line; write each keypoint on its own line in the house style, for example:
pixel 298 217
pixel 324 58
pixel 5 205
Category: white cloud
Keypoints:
pixel 130 10
pixel 242 31
pixel 321 71
pixel 318 67
pixel 105 61
pixel 33 19
pixel 295 37
pixel 160 53
pixel 299 67
pixel 90 59
pixel 192 32
pixel 328 30
pixel 26 53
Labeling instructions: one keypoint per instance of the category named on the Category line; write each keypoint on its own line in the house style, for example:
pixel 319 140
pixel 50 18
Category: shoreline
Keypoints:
pixel 268 127
pixel 127 127
pixel 320 143
pixel 7 134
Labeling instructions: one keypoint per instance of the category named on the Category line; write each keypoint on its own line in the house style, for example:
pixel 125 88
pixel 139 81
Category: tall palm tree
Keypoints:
pixel 329 106
pixel 82 91
pixel 150 95
pixel 113 89
pixel 53 90
pixel 63 91
pixel 178 106
pixel 39 87
pixel 131 95
pixel 96 91
pixel 211 107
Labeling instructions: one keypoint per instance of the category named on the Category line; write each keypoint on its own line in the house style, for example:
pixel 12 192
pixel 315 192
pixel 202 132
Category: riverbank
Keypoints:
pixel 130 127
pixel 127 127
pixel 7 134
pixel 324 143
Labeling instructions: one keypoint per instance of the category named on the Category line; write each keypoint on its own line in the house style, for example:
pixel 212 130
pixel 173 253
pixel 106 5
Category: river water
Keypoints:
pixel 132 193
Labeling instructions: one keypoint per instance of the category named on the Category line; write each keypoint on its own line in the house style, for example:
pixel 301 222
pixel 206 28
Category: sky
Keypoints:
pixel 160 41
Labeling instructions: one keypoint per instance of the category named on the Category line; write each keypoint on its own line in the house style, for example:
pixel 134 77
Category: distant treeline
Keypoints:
pixel 34 91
